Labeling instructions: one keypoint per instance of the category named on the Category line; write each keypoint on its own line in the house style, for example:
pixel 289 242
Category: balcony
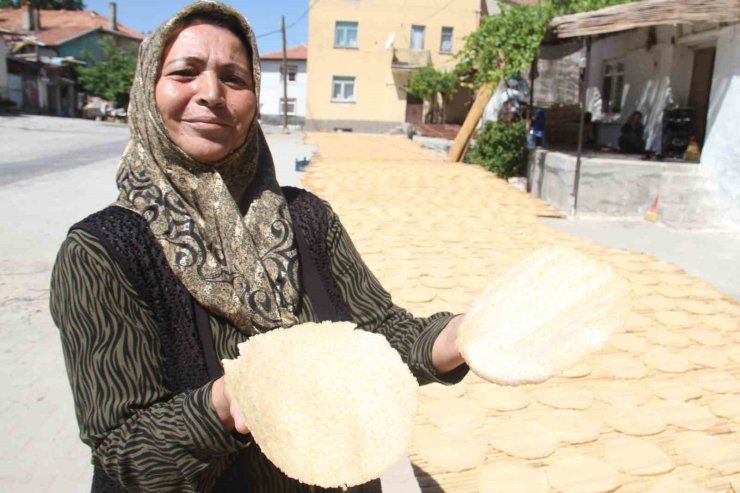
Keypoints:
pixel 405 60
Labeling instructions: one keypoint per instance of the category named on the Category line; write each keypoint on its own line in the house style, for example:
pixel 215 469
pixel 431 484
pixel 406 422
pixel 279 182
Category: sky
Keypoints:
pixel 263 15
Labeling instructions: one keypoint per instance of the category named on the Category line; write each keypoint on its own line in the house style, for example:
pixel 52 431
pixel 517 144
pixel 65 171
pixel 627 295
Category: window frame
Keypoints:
pixel 291 101
pixel 343 81
pixel 442 40
pixel 612 86
pixel 345 28
pixel 423 29
pixel 292 71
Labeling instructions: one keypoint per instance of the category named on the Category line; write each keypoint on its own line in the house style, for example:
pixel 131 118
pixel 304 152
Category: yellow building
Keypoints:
pixel 362 54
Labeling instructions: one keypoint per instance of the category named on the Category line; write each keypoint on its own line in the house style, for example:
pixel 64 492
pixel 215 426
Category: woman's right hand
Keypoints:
pixel 226 408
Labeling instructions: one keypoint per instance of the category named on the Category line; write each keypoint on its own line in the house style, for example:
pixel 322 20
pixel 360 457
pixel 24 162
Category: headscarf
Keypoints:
pixel 224 226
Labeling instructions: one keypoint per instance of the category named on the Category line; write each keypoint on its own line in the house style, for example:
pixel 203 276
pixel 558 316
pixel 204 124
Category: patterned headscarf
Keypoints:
pixel 224 226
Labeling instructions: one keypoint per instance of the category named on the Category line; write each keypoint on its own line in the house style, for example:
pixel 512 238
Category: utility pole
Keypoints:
pixel 285 78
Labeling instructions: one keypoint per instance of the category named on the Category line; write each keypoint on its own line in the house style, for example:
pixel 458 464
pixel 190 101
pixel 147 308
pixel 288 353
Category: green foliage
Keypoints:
pixel 501 148
pixel 429 82
pixel 504 44
pixel 111 77
pixel 45 4
pixel 508 42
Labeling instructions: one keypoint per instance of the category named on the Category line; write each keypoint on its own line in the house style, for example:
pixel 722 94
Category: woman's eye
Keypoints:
pixel 233 79
pixel 183 73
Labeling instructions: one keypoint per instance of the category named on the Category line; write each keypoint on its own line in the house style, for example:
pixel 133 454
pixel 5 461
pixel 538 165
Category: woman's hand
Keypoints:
pixel 226 408
pixel 445 355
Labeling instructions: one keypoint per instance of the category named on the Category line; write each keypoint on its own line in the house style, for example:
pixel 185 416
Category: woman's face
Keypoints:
pixel 205 91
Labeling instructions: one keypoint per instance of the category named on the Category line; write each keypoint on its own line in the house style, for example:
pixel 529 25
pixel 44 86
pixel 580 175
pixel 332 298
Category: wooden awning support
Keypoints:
pixel 457 151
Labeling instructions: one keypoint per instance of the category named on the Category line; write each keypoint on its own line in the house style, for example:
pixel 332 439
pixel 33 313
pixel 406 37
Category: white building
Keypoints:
pixel 271 97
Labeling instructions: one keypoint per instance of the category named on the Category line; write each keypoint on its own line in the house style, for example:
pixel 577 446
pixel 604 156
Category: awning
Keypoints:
pixel 645 13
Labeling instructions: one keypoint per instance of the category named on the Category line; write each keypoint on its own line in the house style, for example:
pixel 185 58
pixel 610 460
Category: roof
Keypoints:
pixel 60 26
pixel 299 52
pixel 645 13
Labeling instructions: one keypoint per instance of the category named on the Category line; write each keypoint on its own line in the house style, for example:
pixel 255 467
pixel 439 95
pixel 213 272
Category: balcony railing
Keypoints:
pixel 405 60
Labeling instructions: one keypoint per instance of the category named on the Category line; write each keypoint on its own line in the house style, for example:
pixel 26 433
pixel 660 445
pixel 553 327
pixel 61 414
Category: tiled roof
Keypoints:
pixel 59 26
pixel 299 52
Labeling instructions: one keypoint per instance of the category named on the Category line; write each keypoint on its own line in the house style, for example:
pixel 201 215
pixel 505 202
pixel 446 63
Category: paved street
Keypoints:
pixel 435 234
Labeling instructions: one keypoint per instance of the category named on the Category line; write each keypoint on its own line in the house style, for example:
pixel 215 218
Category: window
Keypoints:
pixel 292 71
pixel 291 106
pixel 345 35
pixel 612 87
pixel 445 45
pixel 343 88
pixel 417 37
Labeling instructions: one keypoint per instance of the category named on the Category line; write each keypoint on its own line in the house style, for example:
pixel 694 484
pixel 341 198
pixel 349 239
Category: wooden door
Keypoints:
pixel 414 109
pixel 701 85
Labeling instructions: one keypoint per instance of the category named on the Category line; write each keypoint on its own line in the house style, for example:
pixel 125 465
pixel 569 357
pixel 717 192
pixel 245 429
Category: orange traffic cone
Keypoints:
pixel 652 214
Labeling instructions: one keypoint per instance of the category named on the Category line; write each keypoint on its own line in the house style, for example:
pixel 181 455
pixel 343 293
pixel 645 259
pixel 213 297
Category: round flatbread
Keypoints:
pixel 629 342
pixel 524 439
pixel 579 370
pixel 633 420
pixel 726 406
pixel 571 426
pixel 565 397
pixel 637 456
pixel 506 342
pixel 453 414
pixel 666 360
pixel 668 338
pixel 624 393
pixel 706 337
pixel 581 474
pixel 673 485
pixel 707 357
pixel 709 451
pixel 718 381
pixel 672 389
pixel 512 478
pixel 451 452
pixel 684 414
pixel 621 367
pixel 346 405
pixel 499 397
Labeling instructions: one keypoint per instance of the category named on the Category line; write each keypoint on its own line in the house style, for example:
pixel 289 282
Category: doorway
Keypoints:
pixel 414 109
pixel 701 86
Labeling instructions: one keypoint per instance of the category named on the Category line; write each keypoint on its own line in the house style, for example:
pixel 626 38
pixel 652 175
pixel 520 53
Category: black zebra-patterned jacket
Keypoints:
pixel 141 354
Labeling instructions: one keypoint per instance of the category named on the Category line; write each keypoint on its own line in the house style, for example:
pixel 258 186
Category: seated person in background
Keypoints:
pixel 631 139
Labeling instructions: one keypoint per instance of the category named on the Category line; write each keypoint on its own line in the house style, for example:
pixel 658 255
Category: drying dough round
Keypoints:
pixel 666 360
pixel 439 391
pixel 622 367
pixel 500 398
pixel 726 406
pixel 672 318
pixel 718 381
pixel 525 439
pixel 579 370
pixel 707 357
pixel 582 474
pixel 672 485
pixel 684 415
pixel 734 353
pixel 571 426
pixel 343 422
pixel 512 478
pixel 624 393
pixel 679 390
pixel 419 294
pixel 705 337
pixel 453 414
pixel 629 342
pixel 505 341
pixel 709 451
pixel 633 420
pixel 451 452
pixel 637 456
pixel 668 338
pixel 565 397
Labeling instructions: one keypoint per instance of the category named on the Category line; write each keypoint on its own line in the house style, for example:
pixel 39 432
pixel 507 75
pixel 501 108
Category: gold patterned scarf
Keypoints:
pixel 224 226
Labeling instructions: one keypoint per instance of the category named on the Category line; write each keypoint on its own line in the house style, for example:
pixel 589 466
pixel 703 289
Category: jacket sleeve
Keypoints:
pixel 144 436
pixel 373 309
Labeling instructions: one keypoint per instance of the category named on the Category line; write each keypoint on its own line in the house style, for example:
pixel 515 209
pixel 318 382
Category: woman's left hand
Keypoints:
pixel 445 355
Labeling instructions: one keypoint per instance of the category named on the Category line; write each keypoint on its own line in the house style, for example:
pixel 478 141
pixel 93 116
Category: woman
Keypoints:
pixel 202 250
pixel 631 140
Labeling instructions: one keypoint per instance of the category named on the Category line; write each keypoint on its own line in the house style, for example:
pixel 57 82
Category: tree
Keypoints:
pixel 111 77
pixel 429 84
pixel 45 4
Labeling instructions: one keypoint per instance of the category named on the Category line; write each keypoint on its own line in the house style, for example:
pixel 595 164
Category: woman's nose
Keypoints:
pixel 210 91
